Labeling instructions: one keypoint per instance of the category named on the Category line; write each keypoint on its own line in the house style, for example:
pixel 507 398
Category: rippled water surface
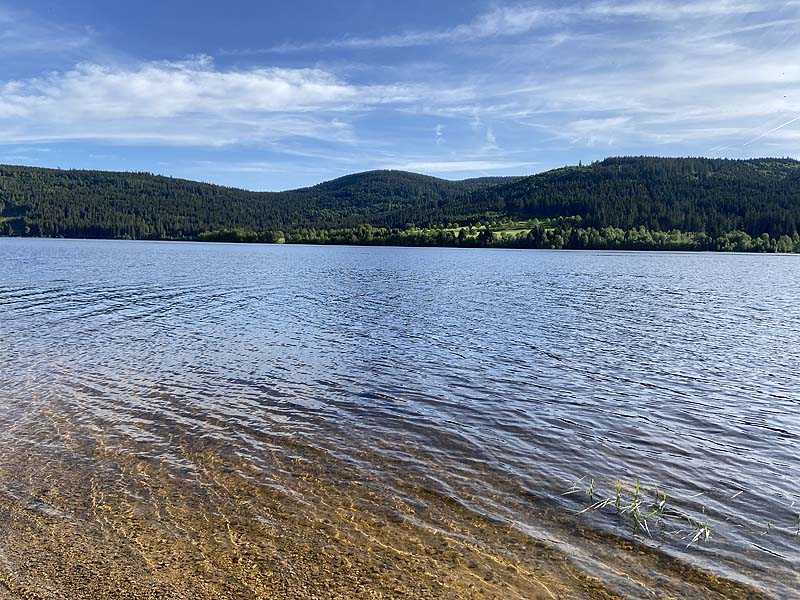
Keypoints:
pixel 210 420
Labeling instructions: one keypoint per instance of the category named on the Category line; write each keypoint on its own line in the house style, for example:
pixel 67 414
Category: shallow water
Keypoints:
pixel 210 420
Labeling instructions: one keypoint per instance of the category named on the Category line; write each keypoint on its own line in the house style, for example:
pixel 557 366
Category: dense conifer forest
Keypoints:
pixel 618 203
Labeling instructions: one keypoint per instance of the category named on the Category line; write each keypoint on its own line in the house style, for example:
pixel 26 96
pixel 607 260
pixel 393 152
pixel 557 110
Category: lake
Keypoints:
pixel 189 420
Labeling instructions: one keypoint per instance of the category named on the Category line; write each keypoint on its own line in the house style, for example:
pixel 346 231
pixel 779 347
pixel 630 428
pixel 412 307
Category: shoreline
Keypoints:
pixel 335 245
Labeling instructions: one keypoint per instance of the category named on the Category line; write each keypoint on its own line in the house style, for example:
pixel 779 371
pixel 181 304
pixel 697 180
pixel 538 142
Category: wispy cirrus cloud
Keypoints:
pixel 501 21
pixel 509 21
pixel 22 34
pixel 674 10
pixel 459 166
pixel 608 73
pixel 697 82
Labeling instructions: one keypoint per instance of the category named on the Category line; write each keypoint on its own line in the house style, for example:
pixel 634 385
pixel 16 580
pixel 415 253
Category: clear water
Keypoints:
pixel 491 380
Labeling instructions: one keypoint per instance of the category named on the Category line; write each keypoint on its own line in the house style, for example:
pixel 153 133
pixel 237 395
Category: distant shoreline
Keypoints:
pixel 389 245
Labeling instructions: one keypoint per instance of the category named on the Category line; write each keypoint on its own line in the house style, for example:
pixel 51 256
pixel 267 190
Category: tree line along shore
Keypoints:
pixel 625 203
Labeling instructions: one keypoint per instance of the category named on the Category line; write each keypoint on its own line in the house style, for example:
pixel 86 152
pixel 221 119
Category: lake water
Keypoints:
pixel 209 420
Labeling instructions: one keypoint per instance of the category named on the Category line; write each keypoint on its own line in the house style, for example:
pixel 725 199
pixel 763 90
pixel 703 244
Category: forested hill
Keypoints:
pixel 688 194
pixel 101 204
pixel 696 195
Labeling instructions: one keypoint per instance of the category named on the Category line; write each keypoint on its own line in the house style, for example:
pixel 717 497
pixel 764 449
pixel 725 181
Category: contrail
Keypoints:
pixel 758 137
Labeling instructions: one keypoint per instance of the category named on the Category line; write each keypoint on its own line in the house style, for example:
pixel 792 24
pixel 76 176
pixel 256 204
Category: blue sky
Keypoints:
pixel 275 95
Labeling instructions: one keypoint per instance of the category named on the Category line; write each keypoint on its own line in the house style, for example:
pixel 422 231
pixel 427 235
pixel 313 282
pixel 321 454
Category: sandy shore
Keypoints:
pixel 101 520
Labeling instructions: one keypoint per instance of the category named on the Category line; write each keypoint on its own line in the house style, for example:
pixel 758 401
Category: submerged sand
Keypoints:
pixel 95 518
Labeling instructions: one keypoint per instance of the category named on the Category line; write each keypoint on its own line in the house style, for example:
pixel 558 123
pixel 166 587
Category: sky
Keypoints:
pixel 272 95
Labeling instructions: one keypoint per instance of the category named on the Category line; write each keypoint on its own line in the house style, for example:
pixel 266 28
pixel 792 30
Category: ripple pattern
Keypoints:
pixel 487 381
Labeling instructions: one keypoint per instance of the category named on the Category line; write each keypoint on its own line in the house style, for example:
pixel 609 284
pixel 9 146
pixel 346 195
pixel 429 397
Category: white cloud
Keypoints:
pixel 491 140
pixel 187 102
pixel 439 133
pixel 594 132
